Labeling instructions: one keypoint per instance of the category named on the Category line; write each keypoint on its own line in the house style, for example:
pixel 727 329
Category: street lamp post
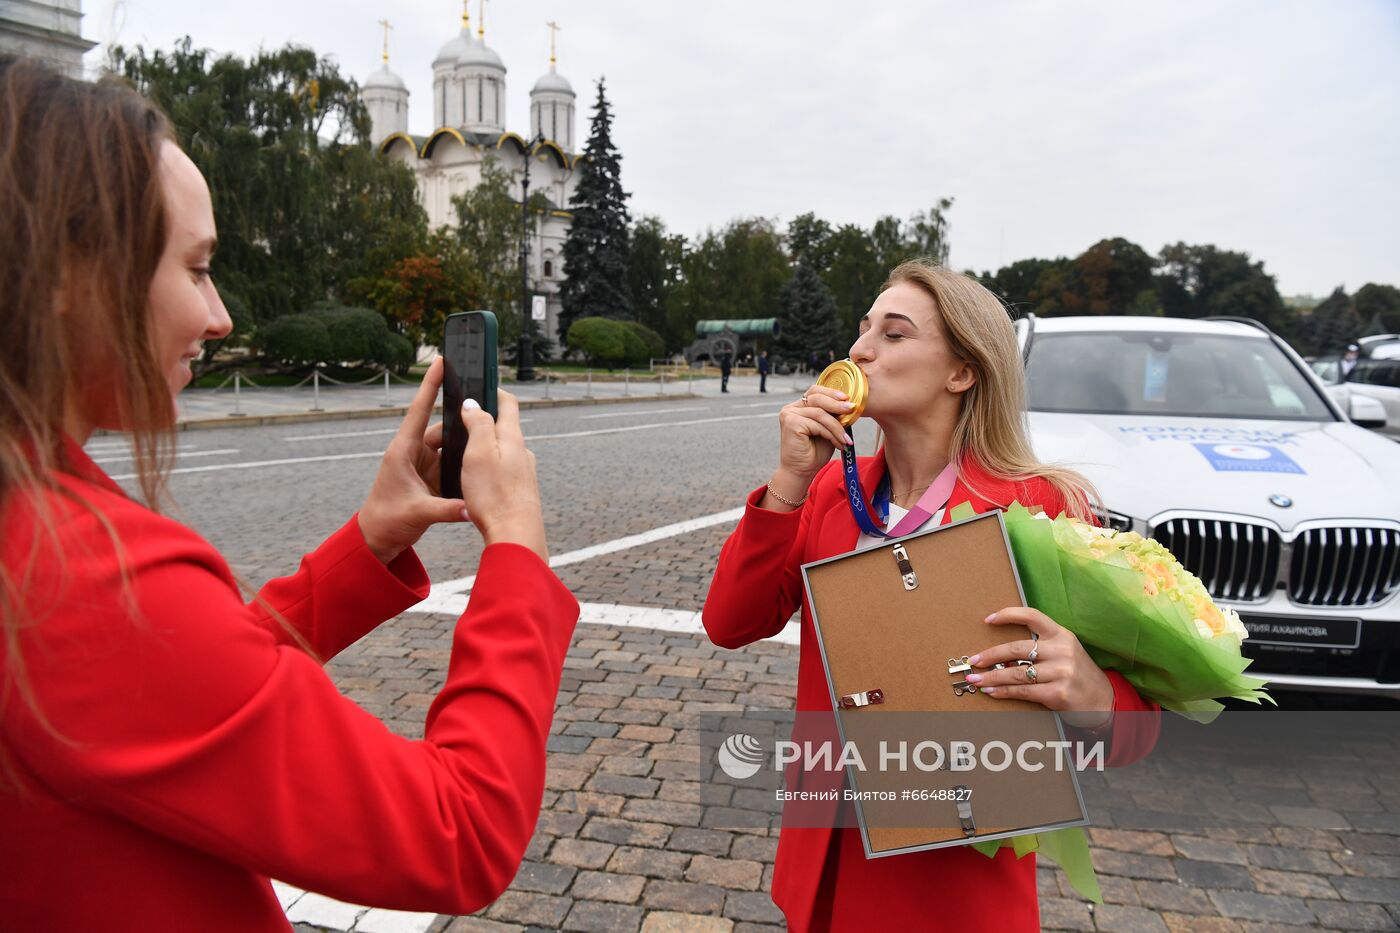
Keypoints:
pixel 525 355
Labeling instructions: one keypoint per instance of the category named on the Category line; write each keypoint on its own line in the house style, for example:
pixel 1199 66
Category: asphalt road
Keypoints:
pixel 265 495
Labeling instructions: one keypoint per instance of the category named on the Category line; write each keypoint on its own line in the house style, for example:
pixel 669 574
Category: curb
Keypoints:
pixel 394 411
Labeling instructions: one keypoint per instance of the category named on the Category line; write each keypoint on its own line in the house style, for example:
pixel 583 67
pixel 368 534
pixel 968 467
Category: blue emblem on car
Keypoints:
pixel 1281 501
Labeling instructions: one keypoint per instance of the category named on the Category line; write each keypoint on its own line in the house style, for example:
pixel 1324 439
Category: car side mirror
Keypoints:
pixel 1366 412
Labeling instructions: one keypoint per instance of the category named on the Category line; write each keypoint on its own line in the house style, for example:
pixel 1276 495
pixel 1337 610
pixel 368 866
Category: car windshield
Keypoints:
pixel 1183 375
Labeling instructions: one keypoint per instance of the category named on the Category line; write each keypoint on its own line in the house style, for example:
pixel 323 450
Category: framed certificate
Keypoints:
pixel 932 761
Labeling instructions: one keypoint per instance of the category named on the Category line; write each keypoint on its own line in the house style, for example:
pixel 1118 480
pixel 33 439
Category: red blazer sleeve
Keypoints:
pixel 340 593
pixel 178 710
pixel 757 584
pixel 1136 724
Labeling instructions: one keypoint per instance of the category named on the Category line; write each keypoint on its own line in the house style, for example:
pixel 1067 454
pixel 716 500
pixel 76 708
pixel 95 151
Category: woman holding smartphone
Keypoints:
pixel 165 748
pixel 947 388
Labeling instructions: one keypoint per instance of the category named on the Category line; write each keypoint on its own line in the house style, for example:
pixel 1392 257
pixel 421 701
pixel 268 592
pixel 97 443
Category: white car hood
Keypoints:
pixel 1145 465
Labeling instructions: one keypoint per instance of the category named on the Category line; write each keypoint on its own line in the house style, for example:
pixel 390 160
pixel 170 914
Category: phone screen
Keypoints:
pixel 468 365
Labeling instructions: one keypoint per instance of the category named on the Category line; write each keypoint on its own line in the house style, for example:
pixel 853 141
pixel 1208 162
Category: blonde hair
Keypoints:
pixel 991 425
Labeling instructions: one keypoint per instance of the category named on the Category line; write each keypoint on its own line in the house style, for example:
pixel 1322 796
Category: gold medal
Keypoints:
pixel 845 376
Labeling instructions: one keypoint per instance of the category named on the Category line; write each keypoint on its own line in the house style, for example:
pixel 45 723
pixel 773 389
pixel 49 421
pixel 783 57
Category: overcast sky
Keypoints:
pixel 1257 125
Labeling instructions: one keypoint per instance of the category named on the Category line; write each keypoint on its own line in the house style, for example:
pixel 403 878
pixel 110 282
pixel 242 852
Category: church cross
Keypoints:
pixel 553 30
pixel 387 26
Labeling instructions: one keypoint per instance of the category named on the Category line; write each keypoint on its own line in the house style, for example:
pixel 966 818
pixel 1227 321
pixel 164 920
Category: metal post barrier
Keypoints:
pixel 627 381
pixel 588 392
pixel 546 384
pixel 387 403
pixel 662 391
pixel 316 390
pixel 237 395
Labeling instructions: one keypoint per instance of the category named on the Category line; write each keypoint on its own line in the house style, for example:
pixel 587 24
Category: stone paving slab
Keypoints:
pixel 628 841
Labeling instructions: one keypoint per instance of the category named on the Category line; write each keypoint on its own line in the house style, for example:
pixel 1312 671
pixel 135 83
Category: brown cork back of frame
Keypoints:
pixel 875 634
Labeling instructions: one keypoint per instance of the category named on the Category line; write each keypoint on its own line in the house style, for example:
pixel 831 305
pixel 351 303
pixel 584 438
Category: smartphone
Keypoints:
pixel 469 372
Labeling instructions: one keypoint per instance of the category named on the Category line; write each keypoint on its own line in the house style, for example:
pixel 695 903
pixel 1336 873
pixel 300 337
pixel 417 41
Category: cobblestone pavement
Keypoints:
pixel 1235 826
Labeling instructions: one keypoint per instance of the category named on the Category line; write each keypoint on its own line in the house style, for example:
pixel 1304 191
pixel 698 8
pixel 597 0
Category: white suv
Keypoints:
pixel 1215 438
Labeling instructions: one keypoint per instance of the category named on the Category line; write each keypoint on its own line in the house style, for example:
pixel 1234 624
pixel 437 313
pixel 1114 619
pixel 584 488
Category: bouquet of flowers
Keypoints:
pixel 1137 611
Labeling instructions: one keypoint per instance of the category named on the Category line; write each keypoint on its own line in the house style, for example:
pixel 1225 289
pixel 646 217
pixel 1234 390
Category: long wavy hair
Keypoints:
pixel 991 425
pixel 82 229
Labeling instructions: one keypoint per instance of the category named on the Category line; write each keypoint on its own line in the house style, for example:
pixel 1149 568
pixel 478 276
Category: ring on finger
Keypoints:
pixel 804 400
pixel 1035 648
pixel 1030 673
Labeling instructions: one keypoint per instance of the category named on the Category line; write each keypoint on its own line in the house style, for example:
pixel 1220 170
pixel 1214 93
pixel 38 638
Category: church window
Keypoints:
pixel 480 100
pixel 548 268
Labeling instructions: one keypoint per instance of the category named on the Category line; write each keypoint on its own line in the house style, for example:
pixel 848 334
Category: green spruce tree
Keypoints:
pixel 808 323
pixel 597 250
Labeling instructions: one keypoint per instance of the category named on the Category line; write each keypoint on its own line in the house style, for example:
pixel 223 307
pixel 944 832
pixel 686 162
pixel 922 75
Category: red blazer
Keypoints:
pixel 756 589
pixel 188 749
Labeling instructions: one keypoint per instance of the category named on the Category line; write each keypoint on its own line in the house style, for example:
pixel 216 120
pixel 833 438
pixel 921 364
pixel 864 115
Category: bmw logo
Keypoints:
pixel 1281 501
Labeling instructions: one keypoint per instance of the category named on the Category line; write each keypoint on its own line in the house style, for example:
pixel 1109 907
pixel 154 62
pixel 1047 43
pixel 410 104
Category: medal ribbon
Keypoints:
pixel 933 499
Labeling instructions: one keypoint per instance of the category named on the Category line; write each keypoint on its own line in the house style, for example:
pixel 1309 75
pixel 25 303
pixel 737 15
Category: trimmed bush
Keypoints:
pixel 655 346
pixel 295 338
pixel 330 334
pixel 600 340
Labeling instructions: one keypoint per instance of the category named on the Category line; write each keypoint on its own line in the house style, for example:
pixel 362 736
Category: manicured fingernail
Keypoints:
pixel 841 395
pixel 990 691
pixel 472 404
pixel 974 678
pixel 974 659
pixel 848 405
pixel 849 439
pixel 466 516
pixel 991 618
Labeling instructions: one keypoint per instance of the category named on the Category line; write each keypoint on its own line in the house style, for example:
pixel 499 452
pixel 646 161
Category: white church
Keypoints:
pixel 469 106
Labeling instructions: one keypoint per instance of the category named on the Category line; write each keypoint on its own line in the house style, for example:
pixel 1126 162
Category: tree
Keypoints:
pixel 654 271
pixel 1108 277
pixel 1204 281
pixel 735 273
pixel 596 250
pixel 300 199
pixel 810 240
pixel 1372 300
pixel 808 323
pixel 417 291
pixel 1335 324
pixel 1017 283
pixel 854 277
pixel 488 227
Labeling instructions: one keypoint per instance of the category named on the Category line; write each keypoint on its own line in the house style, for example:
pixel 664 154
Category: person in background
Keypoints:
pixel 165 747
pixel 1349 361
pixel 947 388
pixel 763 371
pixel 726 365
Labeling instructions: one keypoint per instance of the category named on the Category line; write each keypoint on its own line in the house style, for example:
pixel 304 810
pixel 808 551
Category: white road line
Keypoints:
pixel 647 617
pixel 263 463
pixel 322 437
pixel 776 402
pixel 179 453
pixel 636 414
pixel 252 464
pixel 450 596
pixel 641 427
